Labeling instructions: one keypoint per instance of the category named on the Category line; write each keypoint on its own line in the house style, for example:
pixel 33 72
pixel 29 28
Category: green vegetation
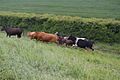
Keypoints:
pixel 83 8
pixel 25 59
pixel 104 30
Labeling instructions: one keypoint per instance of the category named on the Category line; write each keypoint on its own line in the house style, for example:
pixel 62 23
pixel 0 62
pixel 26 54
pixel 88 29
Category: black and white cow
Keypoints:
pixel 81 42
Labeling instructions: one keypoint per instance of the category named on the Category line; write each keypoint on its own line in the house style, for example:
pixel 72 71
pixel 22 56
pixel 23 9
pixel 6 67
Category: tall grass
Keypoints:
pixel 25 59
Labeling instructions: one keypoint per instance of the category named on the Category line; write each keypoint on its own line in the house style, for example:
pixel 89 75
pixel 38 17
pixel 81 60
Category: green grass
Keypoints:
pixel 25 59
pixel 84 8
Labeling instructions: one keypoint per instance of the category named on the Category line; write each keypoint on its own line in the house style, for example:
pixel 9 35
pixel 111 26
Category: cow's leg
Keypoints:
pixel 86 48
pixel 66 44
pixel 91 48
pixel 19 36
pixel 7 35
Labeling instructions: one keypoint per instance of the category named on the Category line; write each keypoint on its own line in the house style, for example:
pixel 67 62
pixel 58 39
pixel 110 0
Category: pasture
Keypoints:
pixel 25 59
pixel 83 8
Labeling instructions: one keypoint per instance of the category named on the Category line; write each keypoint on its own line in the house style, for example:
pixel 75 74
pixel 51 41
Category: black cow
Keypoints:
pixel 13 31
pixel 81 42
pixel 85 44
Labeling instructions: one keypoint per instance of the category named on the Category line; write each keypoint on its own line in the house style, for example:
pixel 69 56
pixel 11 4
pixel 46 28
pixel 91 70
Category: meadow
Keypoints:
pixel 83 8
pixel 25 59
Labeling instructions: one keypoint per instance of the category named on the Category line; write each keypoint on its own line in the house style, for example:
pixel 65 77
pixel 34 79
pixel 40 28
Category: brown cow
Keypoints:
pixel 46 37
pixel 42 36
pixel 69 42
pixel 64 40
pixel 39 35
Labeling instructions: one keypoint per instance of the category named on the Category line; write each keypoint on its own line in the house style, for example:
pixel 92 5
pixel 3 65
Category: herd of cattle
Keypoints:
pixel 56 38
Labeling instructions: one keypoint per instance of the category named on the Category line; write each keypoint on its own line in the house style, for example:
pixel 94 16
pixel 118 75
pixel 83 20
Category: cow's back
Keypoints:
pixel 50 38
pixel 13 30
pixel 39 35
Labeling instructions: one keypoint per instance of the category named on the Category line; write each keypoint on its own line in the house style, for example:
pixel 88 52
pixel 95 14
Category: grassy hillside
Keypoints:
pixel 85 8
pixel 25 59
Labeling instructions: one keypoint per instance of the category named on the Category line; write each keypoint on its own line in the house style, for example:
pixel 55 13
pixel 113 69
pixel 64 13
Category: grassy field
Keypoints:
pixel 25 59
pixel 84 8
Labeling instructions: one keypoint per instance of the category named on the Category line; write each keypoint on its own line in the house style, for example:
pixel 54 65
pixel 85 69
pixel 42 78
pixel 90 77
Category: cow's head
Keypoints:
pixel 3 28
pixel 73 38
